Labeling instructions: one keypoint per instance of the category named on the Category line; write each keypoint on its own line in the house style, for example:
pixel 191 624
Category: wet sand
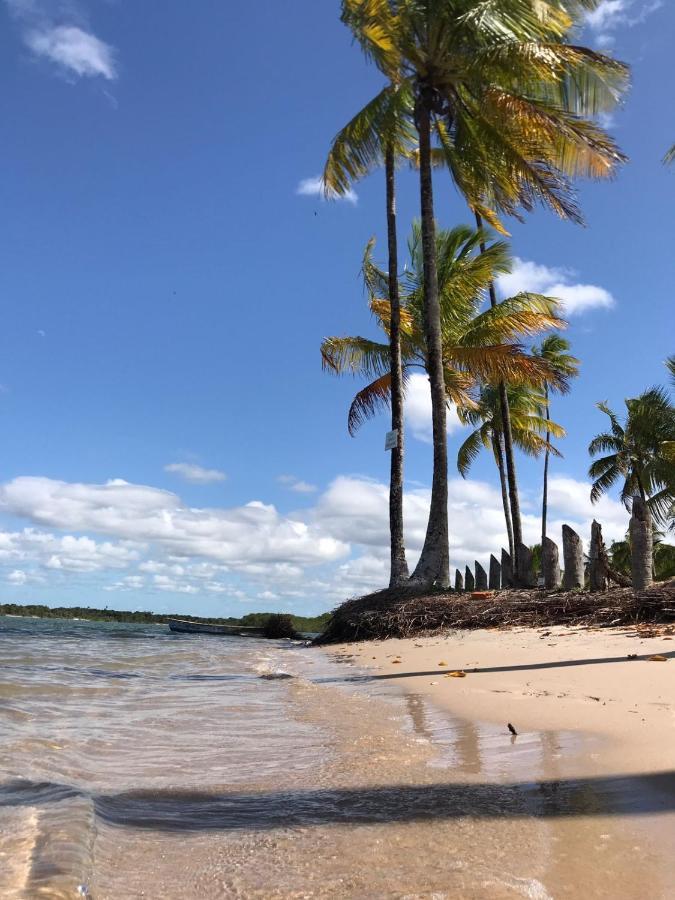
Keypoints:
pixel 135 764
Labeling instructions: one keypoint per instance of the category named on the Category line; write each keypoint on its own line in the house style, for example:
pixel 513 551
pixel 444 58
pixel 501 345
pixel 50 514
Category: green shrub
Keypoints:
pixel 279 625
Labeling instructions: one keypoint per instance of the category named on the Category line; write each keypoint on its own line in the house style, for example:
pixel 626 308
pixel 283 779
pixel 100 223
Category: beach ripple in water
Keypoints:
pixel 135 762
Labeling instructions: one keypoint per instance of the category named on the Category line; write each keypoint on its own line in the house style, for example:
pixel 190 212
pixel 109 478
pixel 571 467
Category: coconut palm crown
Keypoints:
pixel 477 345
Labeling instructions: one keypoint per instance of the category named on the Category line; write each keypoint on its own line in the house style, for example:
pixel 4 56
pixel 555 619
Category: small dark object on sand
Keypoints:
pixel 511 728
pixel 632 656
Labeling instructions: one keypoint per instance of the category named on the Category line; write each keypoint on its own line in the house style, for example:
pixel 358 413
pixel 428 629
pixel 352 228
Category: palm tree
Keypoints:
pixel 506 98
pixel 381 132
pixel 639 453
pixel 554 350
pixel 476 345
pixel 528 427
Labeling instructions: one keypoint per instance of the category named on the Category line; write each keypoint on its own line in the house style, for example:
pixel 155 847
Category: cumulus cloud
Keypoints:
pixel 554 282
pixel 195 474
pixel 56 31
pixel 152 543
pixel 610 15
pixel 255 532
pixel 297 484
pixel 314 187
pixel 418 409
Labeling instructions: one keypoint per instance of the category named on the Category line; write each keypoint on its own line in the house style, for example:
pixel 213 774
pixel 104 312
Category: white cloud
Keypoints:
pixel 73 50
pixel 610 15
pixel 554 282
pixel 314 187
pixel 336 548
pixel 417 409
pixel 297 484
pixel 255 532
pixel 195 474
pixel 57 32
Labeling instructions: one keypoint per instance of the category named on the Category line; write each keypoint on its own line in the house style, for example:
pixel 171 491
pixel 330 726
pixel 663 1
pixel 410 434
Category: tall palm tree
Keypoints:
pixel 554 349
pixel 476 345
pixel 506 98
pixel 381 133
pixel 528 427
pixel 638 453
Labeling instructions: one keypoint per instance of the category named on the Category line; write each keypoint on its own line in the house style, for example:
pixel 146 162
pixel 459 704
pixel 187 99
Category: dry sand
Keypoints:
pixel 547 679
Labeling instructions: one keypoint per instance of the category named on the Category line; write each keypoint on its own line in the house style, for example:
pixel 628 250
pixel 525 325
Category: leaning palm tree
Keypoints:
pixel 638 453
pixel 476 345
pixel 381 133
pixel 554 350
pixel 528 427
pixel 507 98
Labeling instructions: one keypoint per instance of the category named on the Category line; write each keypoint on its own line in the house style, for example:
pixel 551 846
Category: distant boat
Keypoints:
pixel 184 626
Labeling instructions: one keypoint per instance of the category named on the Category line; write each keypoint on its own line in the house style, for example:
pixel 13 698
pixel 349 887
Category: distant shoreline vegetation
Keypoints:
pixel 254 620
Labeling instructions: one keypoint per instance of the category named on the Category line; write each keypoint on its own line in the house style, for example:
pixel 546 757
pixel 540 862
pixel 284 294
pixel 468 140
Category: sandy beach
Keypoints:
pixel 608 683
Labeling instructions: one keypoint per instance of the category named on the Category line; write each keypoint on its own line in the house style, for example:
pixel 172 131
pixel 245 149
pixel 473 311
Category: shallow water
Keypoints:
pixel 139 763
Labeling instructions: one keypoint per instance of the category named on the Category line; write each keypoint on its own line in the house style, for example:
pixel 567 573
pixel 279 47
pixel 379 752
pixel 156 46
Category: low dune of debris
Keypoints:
pixel 403 613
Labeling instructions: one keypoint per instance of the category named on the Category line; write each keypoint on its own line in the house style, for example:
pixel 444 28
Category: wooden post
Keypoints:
pixel 526 575
pixel 469 581
pixel 641 545
pixel 459 581
pixel 481 578
pixel 597 568
pixel 507 570
pixel 573 559
pixel 550 564
pixel 495 581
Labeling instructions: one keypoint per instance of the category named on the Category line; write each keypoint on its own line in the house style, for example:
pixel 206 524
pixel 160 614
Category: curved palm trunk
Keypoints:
pixel 498 449
pixel 544 502
pixel 509 455
pixel 399 565
pixel 433 565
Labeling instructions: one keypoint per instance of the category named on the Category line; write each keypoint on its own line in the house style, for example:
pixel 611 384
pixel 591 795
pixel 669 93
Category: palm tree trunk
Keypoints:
pixel 498 449
pixel 433 567
pixel 399 565
pixel 544 502
pixel 508 453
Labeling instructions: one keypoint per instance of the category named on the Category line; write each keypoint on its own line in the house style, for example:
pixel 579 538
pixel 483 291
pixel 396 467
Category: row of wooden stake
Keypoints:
pixel 573 576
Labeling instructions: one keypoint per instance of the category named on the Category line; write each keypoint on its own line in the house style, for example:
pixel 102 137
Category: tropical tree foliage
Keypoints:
pixel 554 349
pixel 639 453
pixel 506 97
pixel 531 432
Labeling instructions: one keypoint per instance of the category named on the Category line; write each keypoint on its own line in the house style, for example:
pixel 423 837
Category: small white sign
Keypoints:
pixel 391 439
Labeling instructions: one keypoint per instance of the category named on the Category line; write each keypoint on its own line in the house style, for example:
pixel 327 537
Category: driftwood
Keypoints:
pixel 401 613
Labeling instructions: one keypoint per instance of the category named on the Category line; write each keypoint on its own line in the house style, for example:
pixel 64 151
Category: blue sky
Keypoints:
pixel 169 439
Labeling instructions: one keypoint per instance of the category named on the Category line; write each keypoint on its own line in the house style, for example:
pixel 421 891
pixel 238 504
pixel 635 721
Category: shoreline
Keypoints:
pixel 545 679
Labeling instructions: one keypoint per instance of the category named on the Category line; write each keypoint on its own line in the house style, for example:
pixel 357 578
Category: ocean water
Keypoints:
pixel 139 763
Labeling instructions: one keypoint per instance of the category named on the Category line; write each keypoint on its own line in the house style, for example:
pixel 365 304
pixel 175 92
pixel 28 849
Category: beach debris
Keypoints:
pixel 657 657
pixel 395 661
pixel 406 613
pixel 632 656
pixel 433 682
pixel 458 674
pixel 511 728
pixel 443 663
